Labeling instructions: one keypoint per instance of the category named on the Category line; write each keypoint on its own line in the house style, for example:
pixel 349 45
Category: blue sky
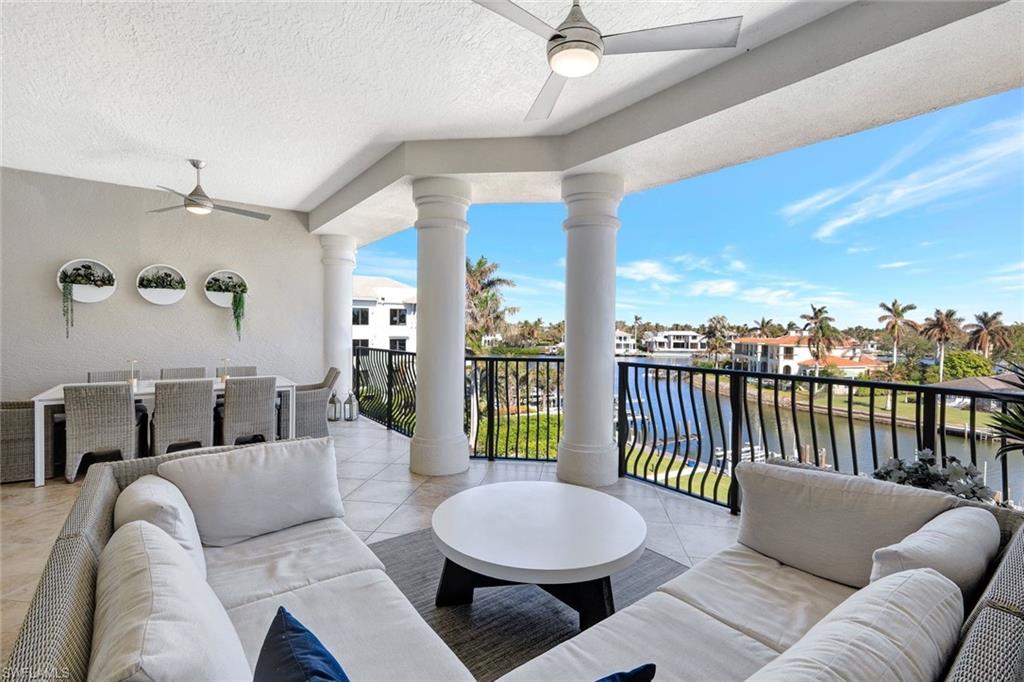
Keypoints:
pixel 929 210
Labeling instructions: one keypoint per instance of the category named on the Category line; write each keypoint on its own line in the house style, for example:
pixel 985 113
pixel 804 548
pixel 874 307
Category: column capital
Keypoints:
pixel 441 202
pixel 592 200
pixel 338 249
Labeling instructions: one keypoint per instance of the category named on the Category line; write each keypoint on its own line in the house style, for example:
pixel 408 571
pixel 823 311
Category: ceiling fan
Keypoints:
pixel 575 48
pixel 199 203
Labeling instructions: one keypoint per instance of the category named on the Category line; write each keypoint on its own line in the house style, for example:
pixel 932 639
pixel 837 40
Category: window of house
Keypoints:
pixel 360 343
pixel 397 317
pixel 398 344
pixel 360 316
pixel 787 352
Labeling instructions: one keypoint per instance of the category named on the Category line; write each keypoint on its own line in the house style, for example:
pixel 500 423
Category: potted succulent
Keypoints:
pixel 161 284
pixel 227 289
pixel 84 282
pixel 956 478
pixel 1009 425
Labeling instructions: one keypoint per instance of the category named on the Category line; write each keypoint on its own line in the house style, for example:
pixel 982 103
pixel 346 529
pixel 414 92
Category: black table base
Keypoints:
pixel 592 599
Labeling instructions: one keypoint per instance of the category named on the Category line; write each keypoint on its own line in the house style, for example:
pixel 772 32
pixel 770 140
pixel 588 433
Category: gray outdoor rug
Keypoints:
pixel 504 627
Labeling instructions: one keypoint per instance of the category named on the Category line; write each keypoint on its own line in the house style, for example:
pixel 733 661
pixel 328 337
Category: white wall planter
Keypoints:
pixel 160 296
pixel 222 299
pixel 87 293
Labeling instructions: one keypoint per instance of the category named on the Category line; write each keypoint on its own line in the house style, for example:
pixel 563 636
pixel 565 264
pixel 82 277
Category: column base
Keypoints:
pixel 439 456
pixel 589 465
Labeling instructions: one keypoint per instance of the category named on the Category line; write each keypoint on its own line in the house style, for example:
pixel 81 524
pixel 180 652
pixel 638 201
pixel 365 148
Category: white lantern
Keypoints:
pixel 351 407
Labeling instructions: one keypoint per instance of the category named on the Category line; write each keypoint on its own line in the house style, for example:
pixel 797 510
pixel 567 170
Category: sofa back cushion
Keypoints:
pixel 827 524
pixel 960 544
pixel 902 627
pixel 243 493
pixel 158 501
pixel 156 618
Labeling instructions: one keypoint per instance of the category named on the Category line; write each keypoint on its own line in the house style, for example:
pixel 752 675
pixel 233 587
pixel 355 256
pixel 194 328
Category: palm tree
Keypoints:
pixel 987 332
pixel 895 321
pixel 823 336
pixel 763 327
pixel 792 327
pixel 715 332
pixel 485 306
pixel 940 330
pixel 636 329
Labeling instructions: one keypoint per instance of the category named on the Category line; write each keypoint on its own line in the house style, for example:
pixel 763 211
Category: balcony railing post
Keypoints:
pixel 490 366
pixel 737 387
pixel 620 418
pixel 928 422
pixel 391 389
pixel 355 379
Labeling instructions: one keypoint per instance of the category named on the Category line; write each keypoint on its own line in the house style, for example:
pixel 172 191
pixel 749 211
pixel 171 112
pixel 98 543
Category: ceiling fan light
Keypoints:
pixel 198 209
pixel 574 59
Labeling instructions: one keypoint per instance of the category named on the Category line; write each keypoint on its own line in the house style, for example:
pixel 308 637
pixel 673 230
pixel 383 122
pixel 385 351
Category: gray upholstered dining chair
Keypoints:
pixel 237 371
pixel 249 410
pixel 100 418
pixel 183 373
pixel 182 413
pixel 311 406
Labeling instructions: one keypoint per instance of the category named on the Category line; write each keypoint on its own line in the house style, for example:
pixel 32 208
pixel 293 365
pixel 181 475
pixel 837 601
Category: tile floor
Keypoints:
pixel 382 499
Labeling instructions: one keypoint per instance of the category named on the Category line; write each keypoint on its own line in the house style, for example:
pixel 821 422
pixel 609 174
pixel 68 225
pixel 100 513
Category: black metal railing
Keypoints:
pixel 514 406
pixel 685 428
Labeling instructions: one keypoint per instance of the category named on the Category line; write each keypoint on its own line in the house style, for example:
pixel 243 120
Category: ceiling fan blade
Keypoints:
pixel 166 208
pixel 518 15
pixel 545 102
pixel 692 36
pixel 173 191
pixel 241 211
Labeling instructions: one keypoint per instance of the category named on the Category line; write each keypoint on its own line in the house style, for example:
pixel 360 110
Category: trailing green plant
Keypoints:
pixel 956 478
pixel 1009 425
pixel 238 290
pixel 83 275
pixel 162 280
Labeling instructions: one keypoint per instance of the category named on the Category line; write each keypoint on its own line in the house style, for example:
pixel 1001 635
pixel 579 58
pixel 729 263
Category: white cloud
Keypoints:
pixel 528 285
pixel 646 271
pixel 971 170
pixel 1010 277
pixel 827 197
pixel 737 264
pixel 387 265
pixel 895 264
pixel 692 262
pixel 713 287
pixel 859 249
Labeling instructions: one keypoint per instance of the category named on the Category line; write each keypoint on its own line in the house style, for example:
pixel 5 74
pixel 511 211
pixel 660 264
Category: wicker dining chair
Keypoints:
pixel 311 406
pixel 237 371
pixel 249 409
pixel 108 375
pixel 183 373
pixel 182 413
pixel 17 442
pixel 100 417
pixel 141 411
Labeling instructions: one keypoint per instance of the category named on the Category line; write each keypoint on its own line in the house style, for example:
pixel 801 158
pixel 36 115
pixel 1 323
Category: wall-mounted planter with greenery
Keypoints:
pixel 228 289
pixel 161 284
pixel 83 280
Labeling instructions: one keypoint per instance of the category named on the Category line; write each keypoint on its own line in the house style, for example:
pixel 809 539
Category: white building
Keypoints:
pixel 677 341
pixel 625 344
pixel 792 355
pixel 383 314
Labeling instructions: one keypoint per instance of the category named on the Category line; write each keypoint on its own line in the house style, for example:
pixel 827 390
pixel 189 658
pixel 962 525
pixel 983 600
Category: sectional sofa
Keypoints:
pixel 774 606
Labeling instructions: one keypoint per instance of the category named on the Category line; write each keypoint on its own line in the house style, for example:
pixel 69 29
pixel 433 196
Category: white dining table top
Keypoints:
pixel 147 387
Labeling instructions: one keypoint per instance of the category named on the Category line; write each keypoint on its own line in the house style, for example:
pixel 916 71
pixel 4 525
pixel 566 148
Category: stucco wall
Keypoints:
pixel 48 220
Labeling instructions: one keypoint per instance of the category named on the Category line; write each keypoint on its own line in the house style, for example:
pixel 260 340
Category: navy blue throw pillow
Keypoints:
pixel 644 673
pixel 291 653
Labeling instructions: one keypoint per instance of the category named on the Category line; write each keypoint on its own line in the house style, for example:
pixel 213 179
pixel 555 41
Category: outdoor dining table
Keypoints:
pixel 144 388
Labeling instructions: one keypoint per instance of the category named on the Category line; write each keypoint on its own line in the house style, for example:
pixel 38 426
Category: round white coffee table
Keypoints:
pixel 566 539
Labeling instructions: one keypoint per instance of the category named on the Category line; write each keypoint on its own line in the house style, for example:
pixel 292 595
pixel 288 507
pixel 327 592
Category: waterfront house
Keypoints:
pixel 383 314
pixel 676 342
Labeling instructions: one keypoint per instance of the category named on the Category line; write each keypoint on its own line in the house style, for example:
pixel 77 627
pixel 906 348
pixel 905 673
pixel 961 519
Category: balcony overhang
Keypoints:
pixel 864 65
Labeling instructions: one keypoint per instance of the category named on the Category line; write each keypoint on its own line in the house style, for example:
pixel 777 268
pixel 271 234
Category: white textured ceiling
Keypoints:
pixel 289 101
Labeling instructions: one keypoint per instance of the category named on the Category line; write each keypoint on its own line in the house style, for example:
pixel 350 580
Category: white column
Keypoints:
pixel 339 260
pixel 587 454
pixel 439 445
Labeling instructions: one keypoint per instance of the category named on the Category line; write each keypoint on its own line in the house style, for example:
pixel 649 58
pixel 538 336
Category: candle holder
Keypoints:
pixel 133 379
pixel 225 373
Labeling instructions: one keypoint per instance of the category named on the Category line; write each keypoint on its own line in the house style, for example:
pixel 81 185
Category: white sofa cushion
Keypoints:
pixel 239 494
pixel 960 544
pixel 768 601
pixel 158 501
pixel 286 560
pixel 825 523
pixel 683 642
pixel 364 621
pixel 902 627
pixel 155 617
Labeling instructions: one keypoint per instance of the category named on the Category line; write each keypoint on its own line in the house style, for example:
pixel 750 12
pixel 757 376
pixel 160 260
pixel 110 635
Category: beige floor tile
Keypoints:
pixel 367 515
pixel 686 510
pixel 379 452
pixel 383 491
pixel 703 541
pixel 378 536
pixel 662 538
pixel 347 485
pixel 12 613
pixel 649 507
pixel 398 472
pixel 407 518
pixel 359 469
